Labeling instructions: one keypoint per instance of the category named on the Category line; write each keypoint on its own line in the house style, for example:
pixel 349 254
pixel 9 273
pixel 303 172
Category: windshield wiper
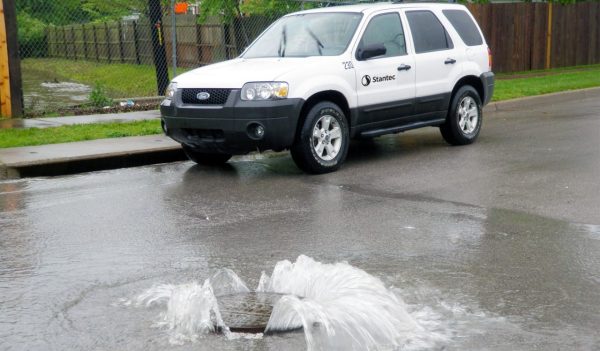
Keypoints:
pixel 283 41
pixel 314 36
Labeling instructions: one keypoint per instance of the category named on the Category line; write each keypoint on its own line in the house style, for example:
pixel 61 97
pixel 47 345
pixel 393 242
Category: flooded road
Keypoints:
pixel 494 246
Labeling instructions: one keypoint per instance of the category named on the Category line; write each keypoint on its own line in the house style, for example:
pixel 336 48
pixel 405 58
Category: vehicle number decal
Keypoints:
pixel 348 65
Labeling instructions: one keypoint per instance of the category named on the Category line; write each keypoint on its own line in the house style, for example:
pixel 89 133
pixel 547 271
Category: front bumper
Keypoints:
pixel 226 128
pixel 487 79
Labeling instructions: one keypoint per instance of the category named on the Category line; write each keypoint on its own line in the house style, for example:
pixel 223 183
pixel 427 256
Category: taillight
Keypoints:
pixel 490 59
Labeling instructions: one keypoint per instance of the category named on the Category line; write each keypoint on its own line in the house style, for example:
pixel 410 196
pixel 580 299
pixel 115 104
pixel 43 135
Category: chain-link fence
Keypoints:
pixel 88 55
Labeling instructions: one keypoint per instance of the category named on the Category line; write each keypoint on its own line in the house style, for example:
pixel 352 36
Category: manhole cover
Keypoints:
pixel 247 312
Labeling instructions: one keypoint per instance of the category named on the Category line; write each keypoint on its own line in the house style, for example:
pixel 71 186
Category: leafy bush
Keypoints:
pixel 275 8
pixel 31 36
pixel 98 96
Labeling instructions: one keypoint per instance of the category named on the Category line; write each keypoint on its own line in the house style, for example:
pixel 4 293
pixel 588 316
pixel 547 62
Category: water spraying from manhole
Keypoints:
pixel 337 305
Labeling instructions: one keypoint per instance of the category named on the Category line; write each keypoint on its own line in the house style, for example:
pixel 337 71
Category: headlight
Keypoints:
pixel 265 91
pixel 171 89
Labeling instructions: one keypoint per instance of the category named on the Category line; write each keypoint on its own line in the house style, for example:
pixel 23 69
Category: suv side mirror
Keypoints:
pixel 372 50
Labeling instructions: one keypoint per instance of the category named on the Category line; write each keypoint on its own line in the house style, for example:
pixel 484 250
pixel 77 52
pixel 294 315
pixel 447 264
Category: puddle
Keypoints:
pixel 42 92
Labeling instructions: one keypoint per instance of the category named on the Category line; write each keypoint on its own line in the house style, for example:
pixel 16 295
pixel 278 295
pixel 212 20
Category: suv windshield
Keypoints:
pixel 314 34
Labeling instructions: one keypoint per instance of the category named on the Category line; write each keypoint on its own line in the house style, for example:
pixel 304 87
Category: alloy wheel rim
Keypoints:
pixel 326 138
pixel 468 115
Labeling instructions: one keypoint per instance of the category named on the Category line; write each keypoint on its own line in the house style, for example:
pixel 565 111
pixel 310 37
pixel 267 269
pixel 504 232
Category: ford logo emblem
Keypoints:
pixel 203 96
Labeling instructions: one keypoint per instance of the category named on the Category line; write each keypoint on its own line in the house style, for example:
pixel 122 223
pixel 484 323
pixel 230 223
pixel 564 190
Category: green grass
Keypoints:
pixel 79 132
pixel 551 71
pixel 120 79
pixel 550 82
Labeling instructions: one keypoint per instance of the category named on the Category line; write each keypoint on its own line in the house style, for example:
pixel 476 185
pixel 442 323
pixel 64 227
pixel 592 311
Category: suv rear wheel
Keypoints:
pixel 463 123
pixel 209 159
pixel 322 142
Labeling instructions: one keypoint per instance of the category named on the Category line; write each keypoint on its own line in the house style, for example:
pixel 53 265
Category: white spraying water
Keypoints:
pixel 339 307
pixel 192 309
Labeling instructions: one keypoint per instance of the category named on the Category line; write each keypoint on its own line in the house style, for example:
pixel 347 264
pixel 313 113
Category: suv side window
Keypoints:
pixel 464 25
pixel 428 32
pixel 385 29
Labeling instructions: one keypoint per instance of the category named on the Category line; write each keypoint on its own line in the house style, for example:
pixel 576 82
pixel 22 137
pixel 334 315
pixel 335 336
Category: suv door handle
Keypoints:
pixel 450 61
pixel 403 67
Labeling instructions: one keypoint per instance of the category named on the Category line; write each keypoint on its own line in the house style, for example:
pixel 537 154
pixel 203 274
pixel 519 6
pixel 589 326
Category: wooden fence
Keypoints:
pixel 522 36
pixel 130 41
pixel 528 36
pixel 200 44
pixel 122 42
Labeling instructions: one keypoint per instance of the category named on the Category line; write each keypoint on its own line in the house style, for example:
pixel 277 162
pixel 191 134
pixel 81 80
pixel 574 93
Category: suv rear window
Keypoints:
pixel 427 32
pixel 464 25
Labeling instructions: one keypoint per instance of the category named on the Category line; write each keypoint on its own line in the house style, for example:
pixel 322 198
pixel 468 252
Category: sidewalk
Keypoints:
pixel 86 156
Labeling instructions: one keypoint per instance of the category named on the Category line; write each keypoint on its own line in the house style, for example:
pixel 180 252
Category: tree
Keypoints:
pixel 229 9
pixel 34 16
pixel 274 8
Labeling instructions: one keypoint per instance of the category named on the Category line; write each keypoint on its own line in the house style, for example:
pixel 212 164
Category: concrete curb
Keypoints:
pixel 100 163
pixel 86 156
pixel 547 99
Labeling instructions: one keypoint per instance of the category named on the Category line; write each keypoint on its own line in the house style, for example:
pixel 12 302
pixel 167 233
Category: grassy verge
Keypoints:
pixel 545 82
pixel 80 132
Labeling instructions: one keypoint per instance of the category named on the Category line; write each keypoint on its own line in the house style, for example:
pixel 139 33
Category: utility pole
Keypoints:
pixel 173 38
pixel 158 46
pixel 11 91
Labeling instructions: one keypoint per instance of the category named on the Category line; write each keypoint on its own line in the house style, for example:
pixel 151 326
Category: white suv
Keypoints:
pixel 316 79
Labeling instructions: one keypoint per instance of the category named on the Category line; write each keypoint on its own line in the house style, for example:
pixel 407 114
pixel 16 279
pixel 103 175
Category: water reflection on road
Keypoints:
pixel 492 246
pixel 73 247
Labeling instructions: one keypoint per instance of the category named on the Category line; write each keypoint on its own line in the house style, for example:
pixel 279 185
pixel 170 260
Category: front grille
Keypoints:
pixel 217 96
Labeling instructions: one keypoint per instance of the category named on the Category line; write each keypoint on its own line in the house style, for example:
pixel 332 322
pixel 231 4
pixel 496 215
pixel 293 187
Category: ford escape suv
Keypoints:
pixel 315 79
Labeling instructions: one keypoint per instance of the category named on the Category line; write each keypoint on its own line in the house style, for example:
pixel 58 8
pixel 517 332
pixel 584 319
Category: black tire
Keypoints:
pixel 202 158
pixel 304 150
pixel 451 130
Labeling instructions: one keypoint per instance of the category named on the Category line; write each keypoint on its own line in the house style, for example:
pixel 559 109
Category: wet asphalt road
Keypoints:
pixel 495 245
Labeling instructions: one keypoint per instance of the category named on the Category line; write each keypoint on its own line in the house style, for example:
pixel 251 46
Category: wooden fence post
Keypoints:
pixel 199 47
pixel 107 39
pixel 96 42
pixel 74 45
pixel 549 36
pixel 11 92
pixel 65 46
pixel 120 33
pixel 135 42
pixel 84 39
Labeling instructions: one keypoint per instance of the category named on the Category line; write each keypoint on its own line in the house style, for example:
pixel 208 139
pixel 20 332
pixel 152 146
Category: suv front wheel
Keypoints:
pixel 322 142
pixel 463 123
